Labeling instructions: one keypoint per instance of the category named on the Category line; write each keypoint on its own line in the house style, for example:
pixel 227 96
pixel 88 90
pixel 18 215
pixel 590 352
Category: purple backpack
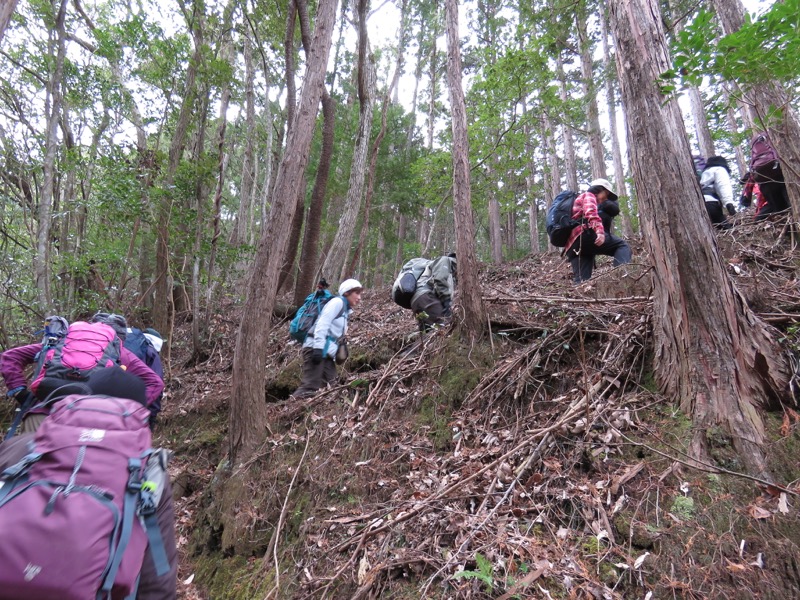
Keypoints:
pixel 85 348
pixel 74 513
pixel 761 152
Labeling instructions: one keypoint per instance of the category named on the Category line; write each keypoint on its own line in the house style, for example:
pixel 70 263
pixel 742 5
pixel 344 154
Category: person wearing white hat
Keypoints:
pixel 322 341
pixel 591 237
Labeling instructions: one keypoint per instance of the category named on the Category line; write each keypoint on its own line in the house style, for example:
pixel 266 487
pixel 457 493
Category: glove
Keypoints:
pixel 18 393
pixel 600 239
pixel 731 209
pixel 316 356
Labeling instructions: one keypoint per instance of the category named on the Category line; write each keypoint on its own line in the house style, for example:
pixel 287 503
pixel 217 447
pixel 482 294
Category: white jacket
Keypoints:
pixel 718 179
pixel 330 326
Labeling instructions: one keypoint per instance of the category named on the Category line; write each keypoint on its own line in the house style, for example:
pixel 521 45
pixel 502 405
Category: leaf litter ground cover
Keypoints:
pixel 539 463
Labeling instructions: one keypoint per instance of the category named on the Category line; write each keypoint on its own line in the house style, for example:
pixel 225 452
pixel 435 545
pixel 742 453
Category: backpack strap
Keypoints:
pixel 132 492
pixel 330 338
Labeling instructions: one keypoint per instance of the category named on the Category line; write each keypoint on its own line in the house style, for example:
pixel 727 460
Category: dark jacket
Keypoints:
pixel 607 211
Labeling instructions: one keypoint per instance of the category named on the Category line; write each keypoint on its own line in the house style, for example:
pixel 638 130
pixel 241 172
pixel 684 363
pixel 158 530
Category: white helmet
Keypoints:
pixel 348 285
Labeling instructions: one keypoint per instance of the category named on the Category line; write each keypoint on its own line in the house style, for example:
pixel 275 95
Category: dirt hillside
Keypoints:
pixel 541 462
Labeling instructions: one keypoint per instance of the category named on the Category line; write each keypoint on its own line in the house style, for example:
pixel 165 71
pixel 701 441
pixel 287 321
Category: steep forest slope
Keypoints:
pixel 539 463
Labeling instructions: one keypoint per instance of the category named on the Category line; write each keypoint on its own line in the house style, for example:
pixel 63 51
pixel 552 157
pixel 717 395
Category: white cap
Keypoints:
pixel 348 285
pixel 155 340
pixel 603 183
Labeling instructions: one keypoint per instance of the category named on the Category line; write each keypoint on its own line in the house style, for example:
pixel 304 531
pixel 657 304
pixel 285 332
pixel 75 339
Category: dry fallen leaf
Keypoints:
pixel 759 513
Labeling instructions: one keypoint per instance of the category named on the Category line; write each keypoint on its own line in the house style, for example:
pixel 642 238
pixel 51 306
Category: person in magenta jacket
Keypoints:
pixel 14 361
pixel 590 238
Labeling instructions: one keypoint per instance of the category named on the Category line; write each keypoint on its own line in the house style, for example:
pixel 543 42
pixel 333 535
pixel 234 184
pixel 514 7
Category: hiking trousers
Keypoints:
pixel 314 376
pixel 771 182
pixel 582 252
pixel 431 306
pixel 714 210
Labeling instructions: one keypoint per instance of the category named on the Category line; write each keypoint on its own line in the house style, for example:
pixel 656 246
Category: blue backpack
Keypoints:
pixel 137 343
pixel 559 220
pixel 308 314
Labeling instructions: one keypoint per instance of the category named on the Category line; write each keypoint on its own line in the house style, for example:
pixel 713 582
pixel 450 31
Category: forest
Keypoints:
pixel 198 166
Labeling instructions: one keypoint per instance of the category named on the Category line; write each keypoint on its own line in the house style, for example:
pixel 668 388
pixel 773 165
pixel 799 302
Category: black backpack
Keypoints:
pixel 559 222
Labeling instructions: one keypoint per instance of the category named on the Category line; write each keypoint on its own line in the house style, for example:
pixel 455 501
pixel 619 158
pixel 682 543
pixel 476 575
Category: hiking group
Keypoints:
pixel 83 444
pixel 86 504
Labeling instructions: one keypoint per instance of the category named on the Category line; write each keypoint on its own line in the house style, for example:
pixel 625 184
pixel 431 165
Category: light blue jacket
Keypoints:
pixel 330 326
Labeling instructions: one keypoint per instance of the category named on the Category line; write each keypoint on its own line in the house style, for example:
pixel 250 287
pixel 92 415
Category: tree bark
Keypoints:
pixel 6 10
pixel 616 151
pixel 247 423
pixel 474 310
pixel 711 352
pixel 336 262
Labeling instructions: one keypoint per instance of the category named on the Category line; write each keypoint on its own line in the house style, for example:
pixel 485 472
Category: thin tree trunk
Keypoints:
pixel 733 127
pixel 711 351
pixel 376 145
pixel 244 216
pixel 6 10
pixel 704 140
pixel 162 315
pixel 336 262
pixel 570 162
pixel 616 151
pixel 248 415
pixel 53 110
pixel 474 310
pixel 594 134
pixel 310 250
pixel 199 207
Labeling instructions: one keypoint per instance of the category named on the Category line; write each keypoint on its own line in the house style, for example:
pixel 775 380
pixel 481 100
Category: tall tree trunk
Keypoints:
pixel 474 310
pixel 570 162
pixel 162 315
pixel 705 142
pixel 530 178
pixel 495 231
pixel 247 423
pixel 336 262
pixel 6 10
pixel 300 193
pixel 200 207
pixel 53 110
pixel 376 144
pixel 616 150
pixel 711 351
pixel 733 127
pixel 244 216
pixel 308 257
pixel 783 127
pixel 594 134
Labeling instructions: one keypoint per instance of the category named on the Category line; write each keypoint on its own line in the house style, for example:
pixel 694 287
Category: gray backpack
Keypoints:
pixel 406 283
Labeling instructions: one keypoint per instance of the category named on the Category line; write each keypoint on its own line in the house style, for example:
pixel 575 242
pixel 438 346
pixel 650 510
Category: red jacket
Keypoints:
pixel 585 207
pixel 14 361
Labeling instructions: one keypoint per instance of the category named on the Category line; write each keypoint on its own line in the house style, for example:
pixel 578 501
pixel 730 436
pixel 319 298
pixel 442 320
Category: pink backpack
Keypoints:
pixel 85 348
pixel 75 512
pixel 761 152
